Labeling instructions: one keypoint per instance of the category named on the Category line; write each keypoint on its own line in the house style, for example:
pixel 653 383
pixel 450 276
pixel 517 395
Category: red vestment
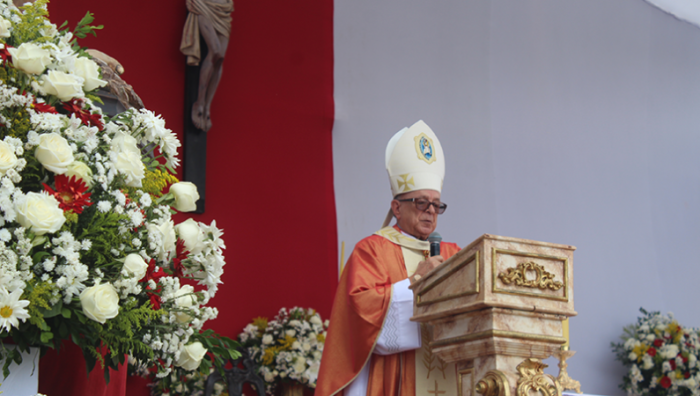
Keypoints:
pixel 360 306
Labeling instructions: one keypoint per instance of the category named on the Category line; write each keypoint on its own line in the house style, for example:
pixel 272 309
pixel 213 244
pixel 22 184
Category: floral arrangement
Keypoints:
pixel 287 349
pixel 88 249
pixel 661 355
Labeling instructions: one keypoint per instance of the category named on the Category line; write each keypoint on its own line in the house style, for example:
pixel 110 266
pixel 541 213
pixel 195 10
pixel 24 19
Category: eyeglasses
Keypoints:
pixel 422 204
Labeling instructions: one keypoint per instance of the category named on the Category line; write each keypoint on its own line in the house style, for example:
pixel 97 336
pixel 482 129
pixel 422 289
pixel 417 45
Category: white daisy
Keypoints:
pixel 12 309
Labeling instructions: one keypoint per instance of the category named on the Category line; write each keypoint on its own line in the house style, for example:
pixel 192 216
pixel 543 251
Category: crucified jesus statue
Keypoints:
pixel 211 19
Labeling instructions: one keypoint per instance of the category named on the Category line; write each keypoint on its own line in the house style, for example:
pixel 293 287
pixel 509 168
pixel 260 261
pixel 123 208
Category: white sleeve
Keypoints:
pixel 399 333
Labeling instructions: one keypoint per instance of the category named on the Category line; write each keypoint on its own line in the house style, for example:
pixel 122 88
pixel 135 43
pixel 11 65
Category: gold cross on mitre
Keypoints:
pixel 436 391
pixel 405 181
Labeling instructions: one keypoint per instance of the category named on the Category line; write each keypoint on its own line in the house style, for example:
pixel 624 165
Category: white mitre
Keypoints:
pixel 414 160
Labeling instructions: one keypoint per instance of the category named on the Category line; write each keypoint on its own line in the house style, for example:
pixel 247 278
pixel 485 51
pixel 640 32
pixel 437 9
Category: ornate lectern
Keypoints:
pixel 496 309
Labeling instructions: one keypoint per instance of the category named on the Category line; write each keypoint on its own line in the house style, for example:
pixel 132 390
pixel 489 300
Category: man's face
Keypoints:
pixel 419 223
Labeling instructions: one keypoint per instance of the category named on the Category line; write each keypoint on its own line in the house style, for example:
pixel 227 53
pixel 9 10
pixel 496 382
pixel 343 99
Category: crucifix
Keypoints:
pixel 210 19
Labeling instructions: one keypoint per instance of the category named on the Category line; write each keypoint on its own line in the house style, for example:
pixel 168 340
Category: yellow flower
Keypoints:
pixel 673 327
pixel 640 350
pixel 286 343
pixel 269 355
pixel 679 375
pixel 321 338
pixel 260 323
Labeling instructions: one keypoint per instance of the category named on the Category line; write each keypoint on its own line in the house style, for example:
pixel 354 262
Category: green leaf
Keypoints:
pixel 66 313
pixel 46 337
pixel 55 310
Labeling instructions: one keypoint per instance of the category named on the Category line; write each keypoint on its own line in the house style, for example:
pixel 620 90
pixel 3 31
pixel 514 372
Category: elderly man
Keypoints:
pixel 370 349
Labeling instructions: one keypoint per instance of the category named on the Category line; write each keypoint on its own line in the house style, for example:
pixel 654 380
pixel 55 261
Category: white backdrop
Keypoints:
pixel 573 122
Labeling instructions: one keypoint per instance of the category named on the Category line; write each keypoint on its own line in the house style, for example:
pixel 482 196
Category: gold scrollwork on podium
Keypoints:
pixel 532 377
pixel 494 383
pixel 544 280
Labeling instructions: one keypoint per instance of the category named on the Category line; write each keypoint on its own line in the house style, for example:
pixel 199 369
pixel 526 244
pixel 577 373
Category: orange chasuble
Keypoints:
pixel 360 306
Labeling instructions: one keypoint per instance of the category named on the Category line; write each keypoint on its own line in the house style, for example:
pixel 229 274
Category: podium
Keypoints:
pixel 496 310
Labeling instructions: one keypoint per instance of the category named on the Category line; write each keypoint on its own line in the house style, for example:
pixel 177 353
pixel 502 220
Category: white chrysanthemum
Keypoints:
pixel 12 309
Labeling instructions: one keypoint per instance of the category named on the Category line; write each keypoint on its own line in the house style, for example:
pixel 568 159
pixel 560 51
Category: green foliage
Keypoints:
pixel 118 333
pixel 103 230
pixel 38 294
pixel 31 24
pixel 18 117
pixel 84 28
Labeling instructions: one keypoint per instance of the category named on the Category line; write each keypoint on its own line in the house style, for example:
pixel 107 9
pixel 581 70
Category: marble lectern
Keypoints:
pixel 496 309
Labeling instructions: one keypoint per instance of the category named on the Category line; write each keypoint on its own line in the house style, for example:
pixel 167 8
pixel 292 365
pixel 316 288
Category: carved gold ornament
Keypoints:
pixel 544 279
pixel 533 378
pixel 494 383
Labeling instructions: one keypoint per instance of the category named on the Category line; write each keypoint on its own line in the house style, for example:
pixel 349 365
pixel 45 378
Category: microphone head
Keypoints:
pixel 434 238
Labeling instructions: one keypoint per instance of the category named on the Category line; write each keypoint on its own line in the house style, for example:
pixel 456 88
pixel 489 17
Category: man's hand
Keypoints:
pixel 426 266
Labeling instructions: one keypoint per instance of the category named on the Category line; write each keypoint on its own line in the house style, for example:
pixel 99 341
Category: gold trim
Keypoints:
pixel 533 378
pixel 497 333
pixel 421 156
pixel 496 289
pixel 544 280
pixel 473 258
pixel 460 373
pixel 494 383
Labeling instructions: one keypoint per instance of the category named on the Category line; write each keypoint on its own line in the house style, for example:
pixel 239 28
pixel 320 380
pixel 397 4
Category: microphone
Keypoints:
pixel 434 240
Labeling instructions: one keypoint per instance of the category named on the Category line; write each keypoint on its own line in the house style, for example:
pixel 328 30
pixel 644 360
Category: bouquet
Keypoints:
pixel 661 355
pixel 88 249
pixel 287 349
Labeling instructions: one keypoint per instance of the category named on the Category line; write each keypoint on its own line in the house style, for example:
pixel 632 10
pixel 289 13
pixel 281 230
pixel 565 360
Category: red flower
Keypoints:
pixel 658 343
pixel 665 382
pixel 687 374
pixel 44 108
pixel 180 254
pixel 70 193
pixel 5 54
pixel 672 362
pixel 155 298
pixel 151 272
pixel 75 106
pixel 685 359
pixel 651 351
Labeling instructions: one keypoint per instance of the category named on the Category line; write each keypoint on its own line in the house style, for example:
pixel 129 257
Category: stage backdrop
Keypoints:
pixel 574 122
pixel 270 176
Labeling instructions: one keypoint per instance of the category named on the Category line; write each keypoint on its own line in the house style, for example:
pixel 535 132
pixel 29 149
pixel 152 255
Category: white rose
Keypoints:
pixel 5 26
pixel 316 320
pixel 290 333
pixel 191 355
pixel 190 233
pixel 267 339
pixel 186 196
pixel 185 299
pixel 135 266
pixel 669 351
pixel 40 212
pixel 8 159
pixel 30 58
pixel 300 365
pixel 88 70
pixel 166 233
pixel 100 302
pixel 63 85
pixel 54 153
pixel 126 157
pixel 81 171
